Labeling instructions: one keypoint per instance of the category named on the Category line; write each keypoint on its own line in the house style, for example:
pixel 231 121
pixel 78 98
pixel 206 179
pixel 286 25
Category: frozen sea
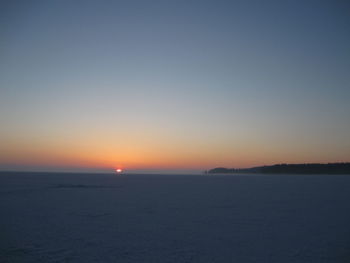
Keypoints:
pixel 179 218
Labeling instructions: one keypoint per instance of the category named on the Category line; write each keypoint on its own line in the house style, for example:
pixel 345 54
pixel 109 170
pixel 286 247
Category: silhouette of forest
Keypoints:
pixel 308 168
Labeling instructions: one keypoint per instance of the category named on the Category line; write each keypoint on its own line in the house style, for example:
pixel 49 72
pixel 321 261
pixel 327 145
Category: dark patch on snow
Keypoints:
pixel 80 186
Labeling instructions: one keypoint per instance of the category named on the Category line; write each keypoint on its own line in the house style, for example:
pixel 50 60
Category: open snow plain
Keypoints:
pixel 184 218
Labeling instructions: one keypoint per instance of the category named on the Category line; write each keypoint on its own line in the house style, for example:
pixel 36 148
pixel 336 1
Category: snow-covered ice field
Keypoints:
pixel 184 218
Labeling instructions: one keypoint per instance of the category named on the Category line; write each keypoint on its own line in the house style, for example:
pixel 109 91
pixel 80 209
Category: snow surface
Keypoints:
pixel 184 218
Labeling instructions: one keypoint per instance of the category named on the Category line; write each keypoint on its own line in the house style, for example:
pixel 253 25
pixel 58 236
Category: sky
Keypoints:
pixel 173 85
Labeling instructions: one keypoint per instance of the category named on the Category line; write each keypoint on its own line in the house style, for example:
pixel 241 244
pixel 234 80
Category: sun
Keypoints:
pixel 118 170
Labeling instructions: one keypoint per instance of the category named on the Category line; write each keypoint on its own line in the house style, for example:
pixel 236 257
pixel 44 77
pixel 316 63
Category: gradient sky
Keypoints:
pixel 173 84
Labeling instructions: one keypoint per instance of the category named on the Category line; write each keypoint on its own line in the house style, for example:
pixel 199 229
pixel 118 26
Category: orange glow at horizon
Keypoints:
pixel 150 151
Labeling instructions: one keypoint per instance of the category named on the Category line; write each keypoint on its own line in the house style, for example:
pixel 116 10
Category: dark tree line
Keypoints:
pixel 312 168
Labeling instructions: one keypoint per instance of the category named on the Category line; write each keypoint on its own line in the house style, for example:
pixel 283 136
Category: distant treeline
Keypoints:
pixel 312 168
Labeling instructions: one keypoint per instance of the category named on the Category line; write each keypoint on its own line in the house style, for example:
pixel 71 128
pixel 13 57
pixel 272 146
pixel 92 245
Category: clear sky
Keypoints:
pixel 173 84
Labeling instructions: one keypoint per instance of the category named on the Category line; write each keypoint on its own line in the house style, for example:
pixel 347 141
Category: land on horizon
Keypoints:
pixel 302 168
pixel 307 168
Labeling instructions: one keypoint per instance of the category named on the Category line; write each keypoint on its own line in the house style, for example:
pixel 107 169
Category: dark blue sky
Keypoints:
pixel 174 84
